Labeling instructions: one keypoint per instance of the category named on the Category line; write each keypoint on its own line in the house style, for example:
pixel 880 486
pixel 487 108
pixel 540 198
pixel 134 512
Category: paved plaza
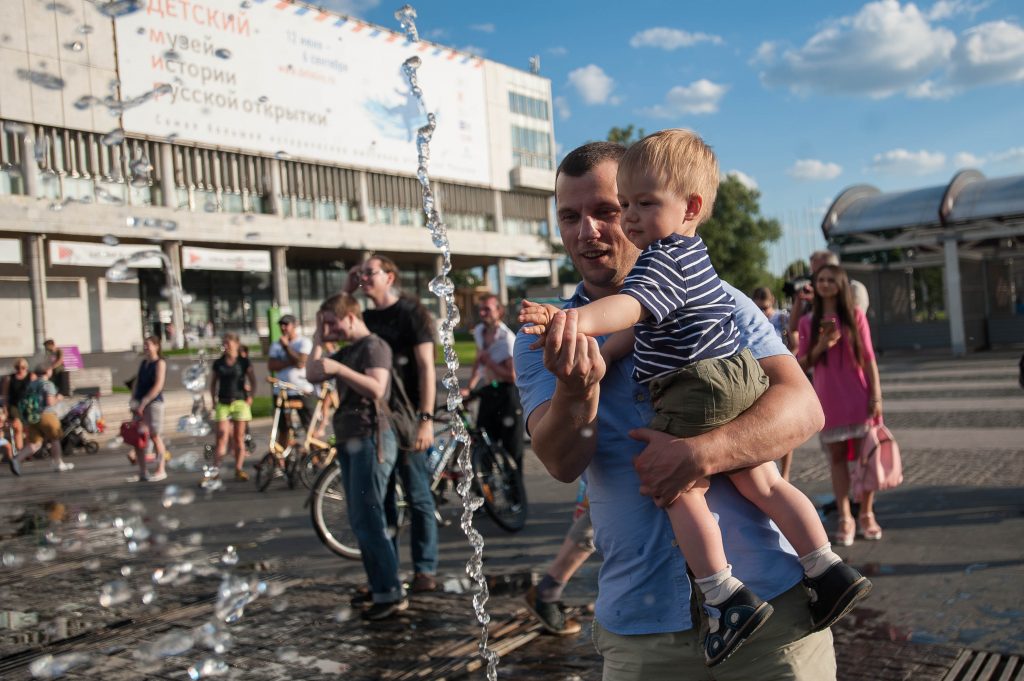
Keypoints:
pixel 126 582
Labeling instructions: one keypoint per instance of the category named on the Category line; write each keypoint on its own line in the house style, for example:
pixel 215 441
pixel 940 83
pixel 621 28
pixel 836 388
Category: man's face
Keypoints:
pixel 589 221
pixel 287 330
pixel 489 311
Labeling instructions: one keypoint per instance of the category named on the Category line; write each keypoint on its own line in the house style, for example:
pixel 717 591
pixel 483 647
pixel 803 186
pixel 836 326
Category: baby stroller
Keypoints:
pixel 81 419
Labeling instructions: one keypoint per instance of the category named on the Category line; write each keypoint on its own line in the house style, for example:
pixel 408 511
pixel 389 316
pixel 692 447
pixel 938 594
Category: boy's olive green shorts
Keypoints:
pixel 706 394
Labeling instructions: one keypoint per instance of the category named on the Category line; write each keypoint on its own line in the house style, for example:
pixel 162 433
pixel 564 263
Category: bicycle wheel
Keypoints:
pixel 311 463
pixel 499 480
pixel 266 471
pixel 329 513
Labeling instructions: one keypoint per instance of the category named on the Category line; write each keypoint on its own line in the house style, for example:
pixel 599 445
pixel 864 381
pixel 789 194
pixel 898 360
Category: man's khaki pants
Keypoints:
pixel 782 650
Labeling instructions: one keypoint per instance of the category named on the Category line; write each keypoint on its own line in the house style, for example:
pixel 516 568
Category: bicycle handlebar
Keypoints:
pixel 284 384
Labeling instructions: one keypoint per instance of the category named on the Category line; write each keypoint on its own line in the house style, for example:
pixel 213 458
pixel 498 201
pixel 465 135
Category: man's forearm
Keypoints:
pixel 786 416
pixel 564 433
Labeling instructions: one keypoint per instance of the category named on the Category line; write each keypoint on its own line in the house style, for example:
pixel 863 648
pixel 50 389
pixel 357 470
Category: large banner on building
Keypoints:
pixel 272 76
pixel 195 258
pixel 83 254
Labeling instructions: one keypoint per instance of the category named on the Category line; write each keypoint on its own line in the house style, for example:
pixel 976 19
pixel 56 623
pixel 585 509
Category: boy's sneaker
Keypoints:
pixel 551 615
pixel 834 593
pixel 241 475
pixel 382 611
pixel 63 466
pixel 731 623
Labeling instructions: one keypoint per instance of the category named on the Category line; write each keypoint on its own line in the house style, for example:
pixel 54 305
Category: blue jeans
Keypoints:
pixel 412 468
pixel 366 484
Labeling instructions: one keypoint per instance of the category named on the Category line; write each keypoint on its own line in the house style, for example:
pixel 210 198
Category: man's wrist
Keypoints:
pixel 425 416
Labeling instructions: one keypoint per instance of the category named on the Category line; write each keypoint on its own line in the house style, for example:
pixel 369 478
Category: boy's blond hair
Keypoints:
pixel 682 161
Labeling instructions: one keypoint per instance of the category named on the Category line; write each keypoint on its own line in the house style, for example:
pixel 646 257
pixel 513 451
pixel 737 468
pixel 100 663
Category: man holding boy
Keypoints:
pixel 582 415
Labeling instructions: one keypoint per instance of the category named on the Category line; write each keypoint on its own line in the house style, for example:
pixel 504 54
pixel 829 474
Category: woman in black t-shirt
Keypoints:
pixel 231 387
pixel 367 448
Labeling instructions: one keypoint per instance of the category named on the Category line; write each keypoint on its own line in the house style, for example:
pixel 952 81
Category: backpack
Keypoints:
pixel 31 405
pixel 399 412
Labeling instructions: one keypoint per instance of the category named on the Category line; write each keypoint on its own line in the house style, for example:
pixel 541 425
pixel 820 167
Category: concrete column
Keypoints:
pixel 36 287
pixel 364 197
pixel 499 213
pixel 167 186
pixel 954 301
pixel 276 205
pixel 554 273
pixel 172 249
pixel 279 277
pixel 502 282
pixel 29 167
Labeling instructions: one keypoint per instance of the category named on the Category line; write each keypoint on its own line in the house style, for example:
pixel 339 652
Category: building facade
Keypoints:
pixel 254 152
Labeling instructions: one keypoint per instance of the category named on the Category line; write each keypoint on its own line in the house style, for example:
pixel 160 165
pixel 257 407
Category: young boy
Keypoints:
pixel 686 350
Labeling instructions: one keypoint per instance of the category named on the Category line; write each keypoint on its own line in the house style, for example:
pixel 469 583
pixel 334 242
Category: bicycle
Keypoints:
pixel 317 454
pixel 281 460
pixel 497 479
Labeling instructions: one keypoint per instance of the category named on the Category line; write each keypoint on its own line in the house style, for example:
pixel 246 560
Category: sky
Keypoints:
pixel 800 99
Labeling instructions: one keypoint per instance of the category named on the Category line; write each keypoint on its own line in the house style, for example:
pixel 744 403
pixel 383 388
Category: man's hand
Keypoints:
pixel 667 466
pixel 424 436
pixel 574 359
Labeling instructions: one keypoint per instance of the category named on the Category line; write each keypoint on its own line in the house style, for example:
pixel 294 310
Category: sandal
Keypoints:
pixel 868 527
pixel 844 532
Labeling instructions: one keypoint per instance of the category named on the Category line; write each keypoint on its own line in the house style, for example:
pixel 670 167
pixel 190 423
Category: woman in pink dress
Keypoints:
pixel 836 344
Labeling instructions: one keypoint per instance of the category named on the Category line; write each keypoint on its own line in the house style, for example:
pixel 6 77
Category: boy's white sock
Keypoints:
pixel 819 560
pixel 719 587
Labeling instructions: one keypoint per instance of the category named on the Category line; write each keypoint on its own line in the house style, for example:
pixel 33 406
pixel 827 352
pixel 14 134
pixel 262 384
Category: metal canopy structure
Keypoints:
pixel 971 218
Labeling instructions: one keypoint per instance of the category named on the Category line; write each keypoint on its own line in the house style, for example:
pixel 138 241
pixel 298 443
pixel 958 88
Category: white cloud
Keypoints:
pixel 884 49
pixel 930 89
pixel 592 83
pixel 350 7
pixel 483 28
pixel 813 169
pixel 699 97
pixel 671 38
pixel 965 159
pixel 744 179
pixel 1014 155
pixel 992 52
pixel 946 9
pixel 558 51
pixel 436 34
pixel 562 108
pixel 904 162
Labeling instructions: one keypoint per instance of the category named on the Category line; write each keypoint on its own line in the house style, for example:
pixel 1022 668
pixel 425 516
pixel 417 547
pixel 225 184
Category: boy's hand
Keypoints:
pixel 538 314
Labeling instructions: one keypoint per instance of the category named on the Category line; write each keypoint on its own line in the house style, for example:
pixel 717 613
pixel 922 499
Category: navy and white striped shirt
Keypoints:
pixel 690 314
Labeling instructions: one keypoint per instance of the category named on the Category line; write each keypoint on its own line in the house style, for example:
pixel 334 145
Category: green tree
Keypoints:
pixel 626 136
pixel 737 234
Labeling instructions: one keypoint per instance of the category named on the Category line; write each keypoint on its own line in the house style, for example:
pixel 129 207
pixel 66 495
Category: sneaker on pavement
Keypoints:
pixel 731 623
pixel 63 466
pixel 157 477
pixel 362 598
pixel 551 615
pixel 15 465
pixel 382 611
pixel 834 593
pixel 423 583
pixel 241 475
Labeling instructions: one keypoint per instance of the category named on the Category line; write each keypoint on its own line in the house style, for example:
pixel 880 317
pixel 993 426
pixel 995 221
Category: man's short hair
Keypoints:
pixel 681 160
pixel 41 369
pixel 582 160
pixel 342 304
pixel 490 296
pixel 827 258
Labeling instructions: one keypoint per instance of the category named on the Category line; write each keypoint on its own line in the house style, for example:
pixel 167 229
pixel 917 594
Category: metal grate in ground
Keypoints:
pixel 978 665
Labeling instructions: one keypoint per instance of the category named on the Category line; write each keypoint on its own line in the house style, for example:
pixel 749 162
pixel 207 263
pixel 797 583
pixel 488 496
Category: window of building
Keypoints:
pixel 528 106
pixel 531 148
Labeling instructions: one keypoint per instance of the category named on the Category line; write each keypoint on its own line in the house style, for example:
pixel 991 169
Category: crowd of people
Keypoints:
pixel 675 397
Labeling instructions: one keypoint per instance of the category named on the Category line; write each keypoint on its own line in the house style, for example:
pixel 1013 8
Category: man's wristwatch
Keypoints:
pixel 425 416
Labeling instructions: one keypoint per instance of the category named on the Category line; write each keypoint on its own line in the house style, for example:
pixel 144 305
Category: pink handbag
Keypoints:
pixel 878 465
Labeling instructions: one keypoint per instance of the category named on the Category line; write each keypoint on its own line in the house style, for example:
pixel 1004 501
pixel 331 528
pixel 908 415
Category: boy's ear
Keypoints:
pixel 693 205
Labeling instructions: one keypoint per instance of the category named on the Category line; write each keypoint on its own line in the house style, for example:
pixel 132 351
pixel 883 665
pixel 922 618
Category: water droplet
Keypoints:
pixel 115 136
pixel 92 564
pixel 208 667
pixel 282 156
pixel 173 495
pixel 114 592
pixel 76 46
pixel 44 554
pixel 44 80
pixel 15 128
pixel 230 556
pixel 211 635
pixel 252 236
pixel 12 560
pixel 586 432
pixel 342 614
pixel 172 55
pixel 85 29
pixel 263 100
pixel 51 667
pixel 246 4
pixel 223 53
pixel 172 643
pixel 119 8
